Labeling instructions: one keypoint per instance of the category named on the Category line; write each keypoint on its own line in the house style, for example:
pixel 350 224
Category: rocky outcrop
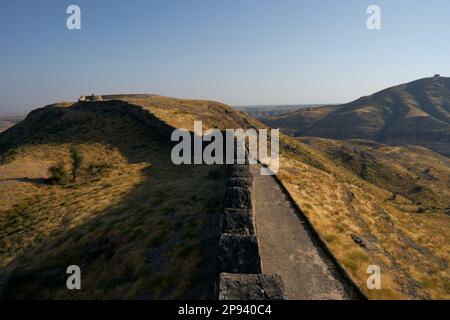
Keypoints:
pixel 239 260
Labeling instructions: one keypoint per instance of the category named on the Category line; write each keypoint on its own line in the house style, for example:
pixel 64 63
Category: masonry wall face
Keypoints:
pixel 239 261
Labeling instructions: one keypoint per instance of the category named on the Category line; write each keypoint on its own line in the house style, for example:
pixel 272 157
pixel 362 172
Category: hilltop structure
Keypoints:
pixel 90 98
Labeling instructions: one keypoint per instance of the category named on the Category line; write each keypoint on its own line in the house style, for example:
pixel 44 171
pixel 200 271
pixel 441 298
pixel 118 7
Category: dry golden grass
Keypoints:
pixel 181 113
pixel 8 122
pixel 411 249
pixel 137 230
pixel 134 227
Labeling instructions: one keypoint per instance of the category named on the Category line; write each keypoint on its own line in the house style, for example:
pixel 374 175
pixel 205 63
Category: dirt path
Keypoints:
pixel 287 248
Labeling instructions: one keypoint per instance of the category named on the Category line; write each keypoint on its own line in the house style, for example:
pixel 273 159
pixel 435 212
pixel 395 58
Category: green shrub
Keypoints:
pixel 77 162
pixel 58 174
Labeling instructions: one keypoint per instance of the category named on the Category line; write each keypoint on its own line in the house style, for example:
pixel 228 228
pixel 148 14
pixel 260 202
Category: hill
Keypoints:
pixel 364 221
pixel 130 219
pixel 7 122
pixel 415 113
pixel 271 110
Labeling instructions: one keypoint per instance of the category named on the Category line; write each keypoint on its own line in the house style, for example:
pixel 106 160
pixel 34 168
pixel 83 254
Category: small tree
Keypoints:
pixel 58 174
pixel 77 162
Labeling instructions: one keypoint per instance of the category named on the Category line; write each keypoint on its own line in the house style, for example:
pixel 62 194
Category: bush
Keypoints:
pixel 58 174
pixel 97 170
pixel 77 162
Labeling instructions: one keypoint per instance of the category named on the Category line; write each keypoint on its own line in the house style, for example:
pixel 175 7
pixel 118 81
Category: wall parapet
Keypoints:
pixel 239 261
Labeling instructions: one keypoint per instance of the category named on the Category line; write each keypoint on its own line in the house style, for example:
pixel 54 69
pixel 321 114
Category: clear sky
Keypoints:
pixel 235 51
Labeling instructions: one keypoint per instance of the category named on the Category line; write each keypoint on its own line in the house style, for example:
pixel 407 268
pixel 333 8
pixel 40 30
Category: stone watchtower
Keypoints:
pixel 90 98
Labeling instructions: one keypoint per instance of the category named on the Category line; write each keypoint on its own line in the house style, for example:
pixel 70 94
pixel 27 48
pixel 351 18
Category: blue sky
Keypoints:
pixel 235 51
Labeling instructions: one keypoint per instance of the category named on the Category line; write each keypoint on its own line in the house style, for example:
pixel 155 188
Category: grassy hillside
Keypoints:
pixel 8 122
pixel 129 221
pixel 363 224
pixel 271 110
pixel 415 173
pixel 139 218
pixel 415 113
pixel 296 122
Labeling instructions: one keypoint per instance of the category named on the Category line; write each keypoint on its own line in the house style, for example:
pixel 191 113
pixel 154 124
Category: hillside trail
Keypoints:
pixel 289 250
